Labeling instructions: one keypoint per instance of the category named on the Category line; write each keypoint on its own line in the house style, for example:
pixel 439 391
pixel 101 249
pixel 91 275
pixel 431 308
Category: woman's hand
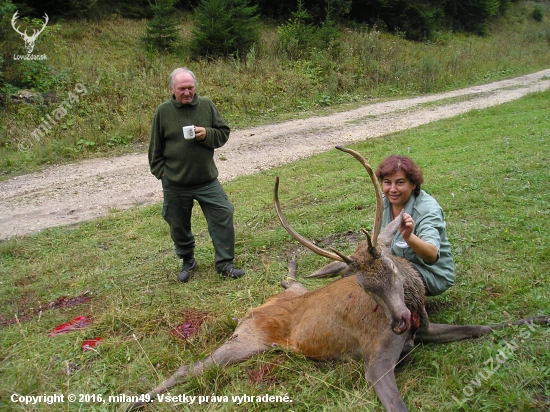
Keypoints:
pixel 406 227
pixel 425 251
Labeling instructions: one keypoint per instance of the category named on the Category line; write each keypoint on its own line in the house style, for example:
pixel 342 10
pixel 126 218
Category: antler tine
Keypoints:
pixel 343 257
pixel 377 190
pixel 46 20
pixel 369 239
pixel 36 32
pixel 13 20
pixel 296 235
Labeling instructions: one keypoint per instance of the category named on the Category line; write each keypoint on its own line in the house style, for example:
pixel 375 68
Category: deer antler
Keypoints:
pixel 13 20
pixel 35 31
pixel 378 193
pixel 310 245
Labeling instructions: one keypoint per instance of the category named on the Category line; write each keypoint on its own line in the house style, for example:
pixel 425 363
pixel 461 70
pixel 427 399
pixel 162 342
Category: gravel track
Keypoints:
pixel 71 193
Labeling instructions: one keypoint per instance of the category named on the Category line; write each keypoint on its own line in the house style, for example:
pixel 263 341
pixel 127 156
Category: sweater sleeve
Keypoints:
pixel 156 147
pixel 218 133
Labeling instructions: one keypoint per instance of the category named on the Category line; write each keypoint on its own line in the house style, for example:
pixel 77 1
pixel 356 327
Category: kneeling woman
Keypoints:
pixel 422 237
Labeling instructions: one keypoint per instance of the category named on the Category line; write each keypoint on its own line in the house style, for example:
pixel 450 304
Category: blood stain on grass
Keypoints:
pixel 80 322
pixel 192 321
pixel 63 302
pixel 264 374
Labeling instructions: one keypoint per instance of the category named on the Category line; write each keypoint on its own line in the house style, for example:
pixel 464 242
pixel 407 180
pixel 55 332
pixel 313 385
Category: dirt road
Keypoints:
pixel 66 194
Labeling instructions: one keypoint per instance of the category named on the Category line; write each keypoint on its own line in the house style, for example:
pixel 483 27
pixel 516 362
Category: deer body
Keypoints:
pixel 301 321
pixel 304 323
pixel 377 313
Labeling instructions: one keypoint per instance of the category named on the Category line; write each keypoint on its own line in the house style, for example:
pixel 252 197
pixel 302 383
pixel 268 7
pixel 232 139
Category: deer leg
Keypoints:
pixel 438 333
pixel 379 371
pixel 290 283
pixel 238 348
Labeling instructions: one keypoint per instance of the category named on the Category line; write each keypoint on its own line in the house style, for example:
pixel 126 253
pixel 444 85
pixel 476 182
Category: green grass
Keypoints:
pixel 125 84
pixel 489 169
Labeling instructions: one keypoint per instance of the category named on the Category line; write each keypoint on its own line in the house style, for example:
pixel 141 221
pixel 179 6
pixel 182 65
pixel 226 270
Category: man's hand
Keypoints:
pixel 200 133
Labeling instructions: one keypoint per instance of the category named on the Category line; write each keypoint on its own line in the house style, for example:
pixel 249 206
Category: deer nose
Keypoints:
pixel 402 324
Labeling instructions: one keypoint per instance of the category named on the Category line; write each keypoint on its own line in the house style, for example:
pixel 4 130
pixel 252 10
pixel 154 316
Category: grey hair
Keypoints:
pixel 182 70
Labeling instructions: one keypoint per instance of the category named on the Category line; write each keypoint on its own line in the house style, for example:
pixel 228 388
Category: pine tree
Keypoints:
pixel 161 33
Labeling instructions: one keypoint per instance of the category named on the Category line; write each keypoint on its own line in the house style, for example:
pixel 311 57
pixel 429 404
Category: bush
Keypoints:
pixel 8 44
pixel 14 73
pixel 472 15
pixel 297 37
pixel 537 14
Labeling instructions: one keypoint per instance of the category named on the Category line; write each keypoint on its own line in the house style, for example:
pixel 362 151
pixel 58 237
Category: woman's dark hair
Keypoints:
pixel 393 163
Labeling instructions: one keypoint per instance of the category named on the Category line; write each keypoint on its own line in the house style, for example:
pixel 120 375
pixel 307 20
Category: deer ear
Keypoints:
pixel 331 270
pixel 389 231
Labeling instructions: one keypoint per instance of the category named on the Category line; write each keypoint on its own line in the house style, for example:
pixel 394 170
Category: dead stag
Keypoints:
pixel 341 318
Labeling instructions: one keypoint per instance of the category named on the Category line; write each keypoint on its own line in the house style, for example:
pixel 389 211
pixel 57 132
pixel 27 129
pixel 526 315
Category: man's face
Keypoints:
pixel 184 87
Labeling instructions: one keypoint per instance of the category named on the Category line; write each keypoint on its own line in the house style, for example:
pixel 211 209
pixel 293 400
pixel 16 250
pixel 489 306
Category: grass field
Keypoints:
pixel 489 170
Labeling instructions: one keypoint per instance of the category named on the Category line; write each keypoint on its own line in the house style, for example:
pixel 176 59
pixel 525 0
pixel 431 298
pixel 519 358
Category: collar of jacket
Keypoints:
pixel 194 102
pixel 409 207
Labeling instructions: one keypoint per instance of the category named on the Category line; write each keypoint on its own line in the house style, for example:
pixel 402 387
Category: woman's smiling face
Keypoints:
pixel 397 189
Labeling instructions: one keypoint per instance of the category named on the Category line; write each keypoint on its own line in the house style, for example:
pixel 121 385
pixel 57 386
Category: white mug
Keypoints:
pixel 189 132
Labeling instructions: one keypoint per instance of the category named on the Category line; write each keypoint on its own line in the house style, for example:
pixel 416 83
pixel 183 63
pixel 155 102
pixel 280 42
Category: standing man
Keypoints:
pixel 188 172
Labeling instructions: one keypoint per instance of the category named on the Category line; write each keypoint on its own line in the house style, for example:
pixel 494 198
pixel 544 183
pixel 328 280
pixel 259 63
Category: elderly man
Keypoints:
pixel 188 173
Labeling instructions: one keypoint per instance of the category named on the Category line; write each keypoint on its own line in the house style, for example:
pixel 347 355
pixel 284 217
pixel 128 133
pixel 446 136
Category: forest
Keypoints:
pixel 418 19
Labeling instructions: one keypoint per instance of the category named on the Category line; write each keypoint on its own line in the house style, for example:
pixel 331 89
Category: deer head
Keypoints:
pixel 29 40
pixel 378 272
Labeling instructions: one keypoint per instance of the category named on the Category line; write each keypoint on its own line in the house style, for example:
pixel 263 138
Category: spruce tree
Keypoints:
pixel 224 28
pixel 161 33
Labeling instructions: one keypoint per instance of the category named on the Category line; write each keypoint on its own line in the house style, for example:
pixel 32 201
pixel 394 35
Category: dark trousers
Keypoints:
pixel 217 209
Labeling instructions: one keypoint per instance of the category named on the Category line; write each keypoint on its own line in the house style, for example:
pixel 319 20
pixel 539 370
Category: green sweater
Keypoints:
pixel 186 162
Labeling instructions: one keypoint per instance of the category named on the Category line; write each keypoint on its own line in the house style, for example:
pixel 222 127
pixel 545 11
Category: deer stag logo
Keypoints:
pixel 29 40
